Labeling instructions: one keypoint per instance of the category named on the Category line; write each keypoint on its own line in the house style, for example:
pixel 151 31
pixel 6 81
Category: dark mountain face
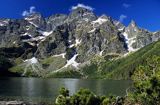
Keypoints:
pixel 61 41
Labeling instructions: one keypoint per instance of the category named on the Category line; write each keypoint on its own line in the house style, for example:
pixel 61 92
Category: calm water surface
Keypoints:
pixel 48 88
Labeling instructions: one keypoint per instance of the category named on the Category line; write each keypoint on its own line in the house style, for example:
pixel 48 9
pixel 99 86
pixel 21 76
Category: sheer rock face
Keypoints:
pixel 137 37
pixel 81 34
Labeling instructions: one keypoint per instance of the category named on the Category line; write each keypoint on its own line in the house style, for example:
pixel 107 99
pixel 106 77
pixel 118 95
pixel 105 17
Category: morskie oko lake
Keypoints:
pixel 48 89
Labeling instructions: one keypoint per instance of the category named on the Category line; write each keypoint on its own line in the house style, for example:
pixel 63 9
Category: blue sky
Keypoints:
pixel 145 12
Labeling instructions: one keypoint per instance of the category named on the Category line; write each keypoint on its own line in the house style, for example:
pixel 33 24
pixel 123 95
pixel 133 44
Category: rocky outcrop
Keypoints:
pixel 136 37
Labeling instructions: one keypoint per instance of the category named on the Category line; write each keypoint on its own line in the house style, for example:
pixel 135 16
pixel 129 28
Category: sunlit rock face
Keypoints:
pixel 61 41
pixel 136 37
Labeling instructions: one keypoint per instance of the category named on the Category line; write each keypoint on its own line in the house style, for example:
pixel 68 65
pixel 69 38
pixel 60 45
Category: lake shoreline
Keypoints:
pixel 20 100
pixel 15 102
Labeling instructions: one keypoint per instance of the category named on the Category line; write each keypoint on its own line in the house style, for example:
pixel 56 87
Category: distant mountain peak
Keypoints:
pixel 133 24
pixel 105 16
pixel 82 6
pixel 33 16
pixel 80 11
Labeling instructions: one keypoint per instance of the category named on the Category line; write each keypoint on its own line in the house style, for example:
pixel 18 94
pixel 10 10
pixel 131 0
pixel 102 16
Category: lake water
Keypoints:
pixel 48 88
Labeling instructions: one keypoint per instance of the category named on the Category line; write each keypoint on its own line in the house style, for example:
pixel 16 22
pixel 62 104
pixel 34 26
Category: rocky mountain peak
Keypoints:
pixel 81 12
pixel 132 24
pixel 33 16
pixel 105 17
pixel 132 28
pixel 37 20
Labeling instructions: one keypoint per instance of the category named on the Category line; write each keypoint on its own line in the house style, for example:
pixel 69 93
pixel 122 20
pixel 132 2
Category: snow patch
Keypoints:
pixel 133 25
pixel 14 42
pixel 32 44
pixel 101 53
pixel 100 21
pixel 87 13
pixel 129 42
pixel 1 24
pixel 30 21
pixel 72 62
pixel 92 30
pixel 72 45
pixel 4 22
pixel 78 42
pixel 155 32
pixel 27 28
pixel 39 38
pixel 86 19
pixel 33 24
pixel 135 29
pixel 34 39
pixel 34 64
pixel 31 61
pixel 117 23
pixel 121 29
pixel 63 55
pixel 26 34
pixel 45 33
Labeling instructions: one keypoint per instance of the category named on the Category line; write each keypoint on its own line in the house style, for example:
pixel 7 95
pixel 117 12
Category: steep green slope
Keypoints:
pixel 123 68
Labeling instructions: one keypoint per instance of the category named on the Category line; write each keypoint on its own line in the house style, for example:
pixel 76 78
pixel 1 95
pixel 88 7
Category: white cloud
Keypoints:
pixel 25 13
pixel 125 5
pixel 122 17
pixel 83 6
pixel 32 9
pixel 28 12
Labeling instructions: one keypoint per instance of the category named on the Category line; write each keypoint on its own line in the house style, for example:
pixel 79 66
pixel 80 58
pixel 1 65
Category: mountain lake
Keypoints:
pixel 47 89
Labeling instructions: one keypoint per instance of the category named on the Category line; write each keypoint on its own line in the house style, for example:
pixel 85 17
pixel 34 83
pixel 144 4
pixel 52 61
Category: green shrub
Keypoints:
pixel 147 82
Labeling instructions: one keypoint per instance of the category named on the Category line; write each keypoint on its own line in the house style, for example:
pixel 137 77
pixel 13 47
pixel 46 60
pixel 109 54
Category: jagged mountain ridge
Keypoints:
pixel 71 40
